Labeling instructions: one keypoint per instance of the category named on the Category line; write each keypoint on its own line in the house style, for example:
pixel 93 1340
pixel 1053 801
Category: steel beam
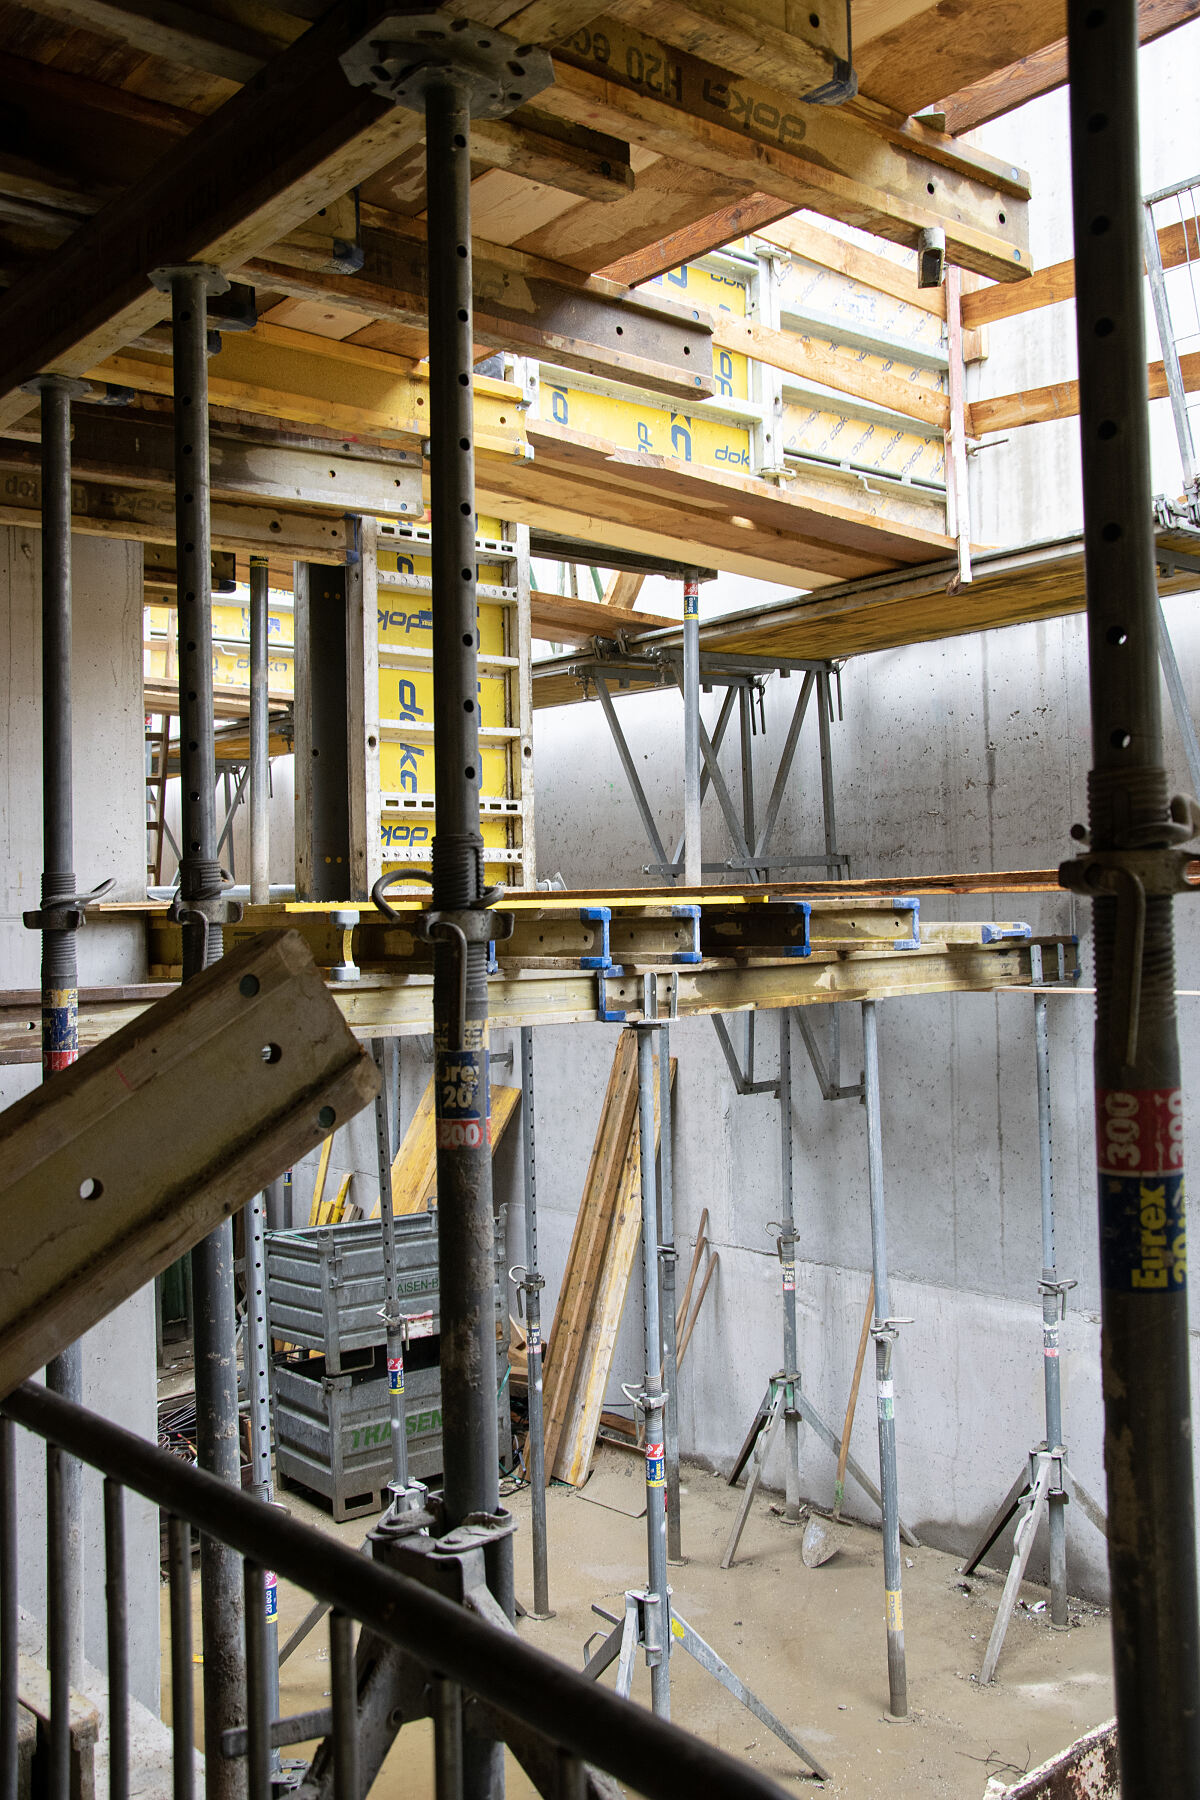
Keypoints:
pixel 130 448
pixel 523 304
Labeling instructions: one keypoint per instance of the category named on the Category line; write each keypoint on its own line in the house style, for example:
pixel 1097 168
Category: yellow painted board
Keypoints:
pixel 406 761
pixel 319 1186
pixel 414 1168
pixel 637 425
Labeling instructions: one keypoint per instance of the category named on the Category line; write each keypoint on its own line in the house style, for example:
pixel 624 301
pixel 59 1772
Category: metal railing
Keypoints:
pixel 519 1691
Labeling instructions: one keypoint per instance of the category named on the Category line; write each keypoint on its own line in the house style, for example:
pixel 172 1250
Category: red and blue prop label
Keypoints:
pixel 1143 1231
pixel 271 1597
pixel 395 1375
pixel 656 1467
pixel 462 1100
pixel 60 1031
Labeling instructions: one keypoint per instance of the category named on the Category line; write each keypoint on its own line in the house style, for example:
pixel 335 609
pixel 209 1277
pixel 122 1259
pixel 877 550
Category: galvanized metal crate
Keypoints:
pixel 333 1433
pixel 325 1284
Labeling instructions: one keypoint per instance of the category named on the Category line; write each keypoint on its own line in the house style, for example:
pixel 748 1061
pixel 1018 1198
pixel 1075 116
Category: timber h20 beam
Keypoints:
pixel 1131 868
pixel 454 70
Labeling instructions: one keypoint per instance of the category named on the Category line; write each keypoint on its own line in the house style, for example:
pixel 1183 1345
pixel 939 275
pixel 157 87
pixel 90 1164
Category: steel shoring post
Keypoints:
pixel 651 1400
pixel 214 1313
pixel 884 1334
pixel 746 734
pixel 692 871
pixel 258 1386
pixel 829 817
pixel 466 1270
pixel 1147 1453
pixel 536 1445
pixel 116 1607
pixel 787 1255
pixel 718 738
pixel 60 1004
pixel 260 724
pixel 392 1319
pixel 667 1262
pixel 1051 1314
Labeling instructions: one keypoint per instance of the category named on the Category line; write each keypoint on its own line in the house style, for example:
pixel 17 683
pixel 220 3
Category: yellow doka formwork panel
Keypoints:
pixel 231 665
pixel 406 759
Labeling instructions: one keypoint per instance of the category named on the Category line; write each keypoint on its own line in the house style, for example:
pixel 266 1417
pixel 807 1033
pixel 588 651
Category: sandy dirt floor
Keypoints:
pixel 809 1641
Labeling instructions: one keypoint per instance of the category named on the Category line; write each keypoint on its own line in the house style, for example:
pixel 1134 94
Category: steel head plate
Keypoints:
pixel 407 54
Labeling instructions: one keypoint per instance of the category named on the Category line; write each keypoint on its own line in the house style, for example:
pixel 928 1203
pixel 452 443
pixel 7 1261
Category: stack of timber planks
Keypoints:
pixel 596 1279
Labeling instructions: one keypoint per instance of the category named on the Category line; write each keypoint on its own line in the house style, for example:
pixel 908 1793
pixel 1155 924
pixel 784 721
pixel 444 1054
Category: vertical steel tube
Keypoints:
pixel 889 1486
pixel 667 1265
pixel 9 1613
pixel 392 1320
pixel 183 1702
pixel 746 735
pixel 199 869
pixel 59 1611
pixel 116 1599
pixel 536 1448
pixel 1051 1307
pixel 60 976
pixel 258 1378
pixel 258 1384
pixel 787 1254
pixel 344 1695
pixel 1148 1453
pixel 833 867
pixel 693 868
pixel 466 1231
pixel 260 741
pixel 658 1627
pixel 258 1716
pixel 447 1739
pixel 60 979
pixel 214 1311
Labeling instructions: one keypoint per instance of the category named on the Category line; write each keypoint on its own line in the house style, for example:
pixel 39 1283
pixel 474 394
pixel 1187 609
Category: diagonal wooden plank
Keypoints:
pixel 617 1116
pixel 607 1304
pixel 414 1166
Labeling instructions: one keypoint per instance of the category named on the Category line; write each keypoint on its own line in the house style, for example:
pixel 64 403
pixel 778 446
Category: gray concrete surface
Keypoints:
pixel 119 1371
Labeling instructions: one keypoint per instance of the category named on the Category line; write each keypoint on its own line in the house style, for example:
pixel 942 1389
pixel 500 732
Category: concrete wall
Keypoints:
pixel 962 755
pixel 118 1356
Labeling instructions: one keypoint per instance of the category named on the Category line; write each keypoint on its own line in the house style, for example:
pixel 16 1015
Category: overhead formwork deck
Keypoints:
pixel 1009 587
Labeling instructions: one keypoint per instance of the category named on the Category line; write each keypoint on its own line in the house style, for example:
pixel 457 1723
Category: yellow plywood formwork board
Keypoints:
pixel 230 629
pixel 406 755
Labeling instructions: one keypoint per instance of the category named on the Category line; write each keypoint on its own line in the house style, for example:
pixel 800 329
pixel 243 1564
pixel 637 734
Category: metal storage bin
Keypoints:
pixel 333 1433
pixel 325 1284
pixel 332 1414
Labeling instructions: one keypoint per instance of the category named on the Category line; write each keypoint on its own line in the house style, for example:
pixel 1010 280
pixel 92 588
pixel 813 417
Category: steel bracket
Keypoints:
pixel 525 1283
pixel 888 1330
pixel 1131 876
pixel 345 919
pixel 66 914
pixel 1058 1290
pixel 651 1013
pixel 405 55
